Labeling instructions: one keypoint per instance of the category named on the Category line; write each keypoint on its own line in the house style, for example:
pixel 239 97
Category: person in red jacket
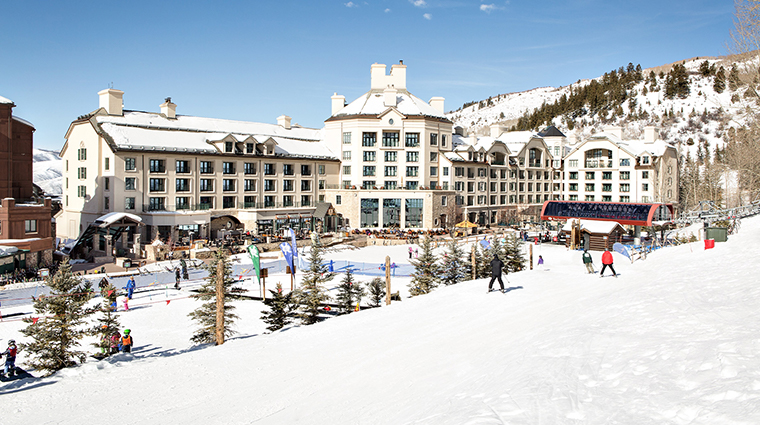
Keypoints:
pixel 607 262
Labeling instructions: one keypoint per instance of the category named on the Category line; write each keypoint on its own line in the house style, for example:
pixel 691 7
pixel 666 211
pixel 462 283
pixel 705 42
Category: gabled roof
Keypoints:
pixel 373 103
pixel 551 131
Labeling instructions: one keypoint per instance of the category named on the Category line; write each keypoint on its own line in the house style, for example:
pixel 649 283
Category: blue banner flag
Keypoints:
pixel 287 251
pixel 618 247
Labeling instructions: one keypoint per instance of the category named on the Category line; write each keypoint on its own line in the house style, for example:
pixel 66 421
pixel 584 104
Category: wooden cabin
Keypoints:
pixel 595 235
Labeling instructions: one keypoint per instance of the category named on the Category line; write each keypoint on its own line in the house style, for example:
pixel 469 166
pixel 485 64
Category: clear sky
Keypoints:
pixel 256 60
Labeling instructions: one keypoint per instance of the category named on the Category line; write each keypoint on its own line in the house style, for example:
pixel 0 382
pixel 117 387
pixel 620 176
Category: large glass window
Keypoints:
pixel 250 185
pixel 412 171
pixel 249 168
pixel 207 185
pixel 183 166
pixel 129 183
pixel 130 164
pixel 412 140
pixel 368 170
pixel 347 138
pixel 288 169
pixel 412 156
pixel 413 213
pixel 157 166
pixel 206 167
pixel 157 185
pixel 305 170
pixel 269 169
pixel 368 156
pixel 287 185
pixel 156 204
pixel 228 185
pixel 182 185
pixel 391 171
pixel 368 214
pixel 390 156
pixel 369 139
pixel 30 226
pixel 391 213
pixel 390 139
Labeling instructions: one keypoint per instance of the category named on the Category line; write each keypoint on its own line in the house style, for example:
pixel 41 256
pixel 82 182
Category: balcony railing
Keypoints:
pixel 592 163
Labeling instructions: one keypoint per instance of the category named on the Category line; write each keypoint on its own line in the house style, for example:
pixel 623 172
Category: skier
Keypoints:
pixel 410 252
pixel 607 262
pixel 10 359
pixel 416 253
pixel 176 278
pixel 126 342
pixel 588 261
pixel 115 342
pixel 496 266
pixel 130 287
pixel 185 275
pixel 541 262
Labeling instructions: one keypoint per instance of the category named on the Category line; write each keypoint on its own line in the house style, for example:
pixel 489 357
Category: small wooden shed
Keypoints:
pixel 596 235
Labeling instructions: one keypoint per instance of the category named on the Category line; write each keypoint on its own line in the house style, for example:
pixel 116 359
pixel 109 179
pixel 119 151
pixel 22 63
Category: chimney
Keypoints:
pixel 437 103
pixel 338 102
pixel 377 74
pixel 168 109
pixel 398 75
pixel 616 130
pixel 389 96
pixel 112 101
pixel 284 121
pixel 495 130
pixel 650 134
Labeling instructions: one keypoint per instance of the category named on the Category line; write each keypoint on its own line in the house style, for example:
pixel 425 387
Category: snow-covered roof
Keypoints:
pixel 636 147
pixel 110 218
pixel 6 250
pixel 593 226
pixel 373 103
pixel 22 121
pixel 151 131
pixel 5 100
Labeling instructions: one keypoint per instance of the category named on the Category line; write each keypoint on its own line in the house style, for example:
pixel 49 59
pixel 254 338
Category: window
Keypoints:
pixel 305 200
pixel 458 171
pixel 645 160
pixel 67 166
pixel 182 166
pixel 288 169
pixel 391 171
pixel 228 185
pixel 625 175
pixel 157 185
pixel 573 187
pixel 433 171
pixel 590 175
pixel 589 187
pixel 338 198
pixel 207 185
pixel 482 172
pixel 606 198
pixel 106 183
pixel 206 167
pixel 368 170
pixel 607 175
pixel 412 156
pixel 287 185
pixel 321 169
pixel 305 170
pixel 322 184
pixel 368 156
pixel 412 171
pixel 625 187
pixel 249 148
pixel 433 139
pixel 445 171
pixel 347 138
pixel 573 175
pixel 156 204
pixel 390 156
pixel 390 184
pixel 270 185
pixel 157 166
pixel 269 170
pixel 573 163
pixel 305 185
pixel 607 187
pixel 82 173
pixel 433 156
pixel 268 201
pixel 228 202
pixel 182 202
pixel 369 139
pixel 228 168
pixel 443 140
pixel 182 185
pixel 249 202
pixel 129 203
pixel 625 199
pixel 443 200
pixel 589 198
pixel 411 185
pixel 249 168
pixel 390 139
pixel 207 202
pixel 412 140
pixel 30 226
pixel 107 164
pixel 82 154
pixel 625 162
pixel 249 185
pixel 645 187
pixel 368 184
pixel 228 146
pixel 459 186
pixel 645 174
pixel 346 169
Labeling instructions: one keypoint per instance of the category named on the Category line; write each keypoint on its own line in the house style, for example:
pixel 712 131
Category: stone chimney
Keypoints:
pixel 112 101
pixel 650 134
pixel 338 102
pixel 616 130
pixel 284 121
pixel 389 96
pixel 437 103
pixel 168 109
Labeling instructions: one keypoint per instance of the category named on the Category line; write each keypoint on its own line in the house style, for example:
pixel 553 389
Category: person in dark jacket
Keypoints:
pixel 496 266
pixel 176 277
pixel 589 262
pixel 10 358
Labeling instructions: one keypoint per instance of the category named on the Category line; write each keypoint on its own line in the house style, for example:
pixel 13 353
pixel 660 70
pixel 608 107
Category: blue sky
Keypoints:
pixel 256 60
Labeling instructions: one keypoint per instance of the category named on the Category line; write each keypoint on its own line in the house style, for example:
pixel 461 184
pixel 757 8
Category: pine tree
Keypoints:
pixel 312 292
pixel 453 268
pixel 280 308
pixel 515 261
pixel 205 315
pixel 376 292
pixel 350 292
pixel 108 322
pixel 425 275
pixel 704 69
pixel 719 83
pixel 60 321
pixel 482 262
pixel 734 82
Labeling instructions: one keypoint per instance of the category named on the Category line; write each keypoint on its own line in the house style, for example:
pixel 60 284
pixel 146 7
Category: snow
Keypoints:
pixel 373 103
pixel 593 226
pixel 48 171
pixel 5 100
pixel 110 218
pixel 672 340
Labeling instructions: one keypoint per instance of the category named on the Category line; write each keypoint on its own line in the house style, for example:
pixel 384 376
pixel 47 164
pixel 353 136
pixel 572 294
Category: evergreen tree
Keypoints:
pixel 482 262
pixel 514 260
pixel 376 291
pixel 205 315
pixel 60 321
pixel 280 308
pixel 704 69
pixel 425 275
pixel 350 292
pixel 719 83
pixel 312 292
pixel 734 82
pixel 453 268
pixel 108 322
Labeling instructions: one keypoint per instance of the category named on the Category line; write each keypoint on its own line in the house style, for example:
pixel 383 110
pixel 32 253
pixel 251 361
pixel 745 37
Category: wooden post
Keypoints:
pixel 474 267
pixel 531 256
pixel 219 301
pixel 387 280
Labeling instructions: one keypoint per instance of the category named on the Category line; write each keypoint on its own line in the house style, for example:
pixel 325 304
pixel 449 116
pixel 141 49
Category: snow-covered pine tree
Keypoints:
pixel 350 292
pixel 482 262
pixel 280 307
pixel 453 265
pixel 59 323
pixel 108 322
pixel 514 260
pixel 312 292
pixel 376 291
pixel 425 275
pixel 205 315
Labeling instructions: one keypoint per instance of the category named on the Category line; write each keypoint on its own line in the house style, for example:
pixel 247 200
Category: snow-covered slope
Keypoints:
pixel 48 171
pixel 672 340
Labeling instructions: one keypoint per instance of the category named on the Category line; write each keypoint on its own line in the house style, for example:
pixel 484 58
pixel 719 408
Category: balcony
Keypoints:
pixel 592 163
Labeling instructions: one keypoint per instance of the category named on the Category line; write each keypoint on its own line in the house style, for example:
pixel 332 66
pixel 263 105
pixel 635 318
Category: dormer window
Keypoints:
pixel 645 160
pixel 228 146
pixel 249 148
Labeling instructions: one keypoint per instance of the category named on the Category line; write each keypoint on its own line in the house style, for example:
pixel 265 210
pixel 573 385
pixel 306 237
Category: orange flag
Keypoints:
pixel 35 319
